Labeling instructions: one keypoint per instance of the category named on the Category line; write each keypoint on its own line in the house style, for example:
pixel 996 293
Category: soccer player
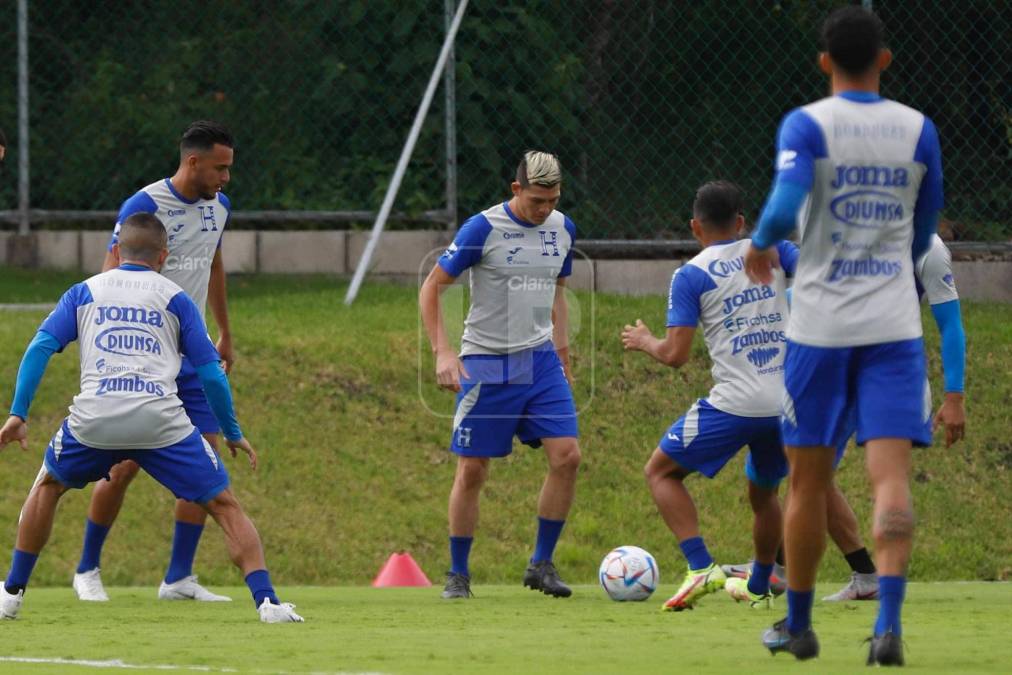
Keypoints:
pixel 194 212
pixel 935 281
pixel 133 326
pixel 743 324
pixel 512 376
pixel 861 178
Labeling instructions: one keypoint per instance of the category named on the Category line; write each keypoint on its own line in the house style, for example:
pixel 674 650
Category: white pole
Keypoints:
pixel 402 163
pixel 23 165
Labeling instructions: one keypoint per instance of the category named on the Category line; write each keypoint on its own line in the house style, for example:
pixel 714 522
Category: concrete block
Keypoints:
pixel 983 279
pixel 94 245
pixel 313 252
pixel 400 253
pixel 58 249
pixel 4 238
pixel 239 251
pixel 635 277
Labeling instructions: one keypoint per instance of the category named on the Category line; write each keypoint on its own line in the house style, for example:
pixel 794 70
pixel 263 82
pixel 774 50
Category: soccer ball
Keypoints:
pixel 629 573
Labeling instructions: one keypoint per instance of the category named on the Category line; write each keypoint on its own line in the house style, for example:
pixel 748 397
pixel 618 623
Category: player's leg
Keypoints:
pixel 470 477
pixel 106 500
pixel 846 534
pixel 193 471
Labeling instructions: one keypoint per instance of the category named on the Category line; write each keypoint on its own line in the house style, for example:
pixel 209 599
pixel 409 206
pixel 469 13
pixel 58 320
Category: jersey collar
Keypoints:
pixel 518 221
pixel 175 193
pixel 130 267
pixel 860 96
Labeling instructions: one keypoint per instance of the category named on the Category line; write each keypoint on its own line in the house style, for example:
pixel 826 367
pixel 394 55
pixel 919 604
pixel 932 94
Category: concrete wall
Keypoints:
pixel 408 256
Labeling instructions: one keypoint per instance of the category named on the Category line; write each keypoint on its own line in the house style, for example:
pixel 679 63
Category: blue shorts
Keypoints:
pixel 191 393
pixel 705 439
pixel 524 394
pixel 191 469
pixel 878 390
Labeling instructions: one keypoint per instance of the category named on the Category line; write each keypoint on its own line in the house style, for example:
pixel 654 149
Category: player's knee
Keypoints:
pixel 567 459
pixel 223 504
pixel 762 498
pixel 471 475
pixel 894 525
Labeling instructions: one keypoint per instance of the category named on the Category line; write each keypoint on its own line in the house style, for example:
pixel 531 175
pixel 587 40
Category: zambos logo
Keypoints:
pixel 869 267
pixel 760 357
pixel 725 268
pixel 756 339
pixel 134 385
pixel 128 341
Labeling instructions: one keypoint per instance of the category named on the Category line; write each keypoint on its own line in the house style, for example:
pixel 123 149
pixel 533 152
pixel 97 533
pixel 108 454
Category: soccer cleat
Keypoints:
pixel 542 576
pixel 737 588
pixel 779 639
pixel 10 604
pixel 860 587
pixel 457 586
pixel 778 580
pixel 885 650
pixel 283 613
pixel 696 584
pixel 187 588
pixel 89 586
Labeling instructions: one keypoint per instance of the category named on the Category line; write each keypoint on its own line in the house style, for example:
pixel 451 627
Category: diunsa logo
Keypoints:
pixel 867 208
pixel 128 341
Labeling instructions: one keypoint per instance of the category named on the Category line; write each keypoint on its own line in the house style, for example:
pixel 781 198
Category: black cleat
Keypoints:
pixel 886 650
pixel 779 639
pixel 457 586
pixel 542 576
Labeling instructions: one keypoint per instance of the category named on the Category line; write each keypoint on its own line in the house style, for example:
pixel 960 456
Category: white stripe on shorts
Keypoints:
pixel 58 443
pixel 466 405
pixel 210 452
pixel 691 427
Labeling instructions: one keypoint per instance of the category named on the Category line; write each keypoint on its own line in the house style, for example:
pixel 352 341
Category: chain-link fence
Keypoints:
pixel 642 99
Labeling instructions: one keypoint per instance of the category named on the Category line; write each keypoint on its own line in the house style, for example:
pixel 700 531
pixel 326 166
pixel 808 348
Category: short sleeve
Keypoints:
pixel 799 143
pixel 934 273
pixel 141 202
pixel 788 252
pixel 467 247
pixel 567 264
pixel 62 321
pixel 930 196
pixel 193 339
pixel 227 203
pixel 687 285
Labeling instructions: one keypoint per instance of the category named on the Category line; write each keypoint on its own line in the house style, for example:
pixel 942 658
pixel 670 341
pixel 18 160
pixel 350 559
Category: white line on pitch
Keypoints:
pixel 26 306
pixel 118 663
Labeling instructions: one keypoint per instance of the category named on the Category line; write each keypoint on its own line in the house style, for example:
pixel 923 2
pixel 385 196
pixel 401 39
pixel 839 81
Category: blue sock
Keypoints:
pixel 695 552
pixel 799 610
pixel 759 582
pixel 548 537
pixel 184 550
pixel 94 539
pixel 460 551
pixel 890 600
pixel 259 583
pixel 22 565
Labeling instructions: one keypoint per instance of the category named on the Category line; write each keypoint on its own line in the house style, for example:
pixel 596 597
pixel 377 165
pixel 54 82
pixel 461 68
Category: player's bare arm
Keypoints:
pixel 14 429
pixel 217 298
pixel 449 369
pixel 760 263
pixel 673 350
pixel 560 327
pixel 952 415
pixel 244 445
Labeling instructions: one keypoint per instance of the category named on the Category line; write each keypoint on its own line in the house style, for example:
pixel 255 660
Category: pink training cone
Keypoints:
pixel 400 569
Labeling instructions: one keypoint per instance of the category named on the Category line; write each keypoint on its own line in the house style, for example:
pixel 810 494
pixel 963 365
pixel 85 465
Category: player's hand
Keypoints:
pixel 635 338
pixel 14 429
pixel 226 353
pixel 952 416
pixel 243 444
pixel 449 371
pixel 759 264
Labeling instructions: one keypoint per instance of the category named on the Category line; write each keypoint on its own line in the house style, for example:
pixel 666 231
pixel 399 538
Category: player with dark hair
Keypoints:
pixel 860 177
pixel 512 374
pixel 743 324
pixel 128 409
pixel 194 213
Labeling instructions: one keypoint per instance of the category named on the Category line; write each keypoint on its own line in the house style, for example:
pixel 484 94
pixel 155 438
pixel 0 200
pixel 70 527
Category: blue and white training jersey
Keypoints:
pixel 743 323
pixel 934 274
pixel 133 326
pixel 868 164
pixel 514 268
pixel 194 229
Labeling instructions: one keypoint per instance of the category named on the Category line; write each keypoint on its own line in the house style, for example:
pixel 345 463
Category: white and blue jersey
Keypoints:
pixel 514 268
pixel 194 229
pixel 133 326
pixel 743 323
pixel 935 282
pixel 868 165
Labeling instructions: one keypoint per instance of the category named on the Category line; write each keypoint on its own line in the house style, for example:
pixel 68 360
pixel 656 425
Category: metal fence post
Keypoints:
pixel 450 85
pixel 23 164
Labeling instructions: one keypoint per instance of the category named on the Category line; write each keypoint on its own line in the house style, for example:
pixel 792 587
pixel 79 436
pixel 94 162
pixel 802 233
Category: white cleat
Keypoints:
pixel 187 588
pixel 283 613
pixel 89 586
pixel 10 604
pixel 860 587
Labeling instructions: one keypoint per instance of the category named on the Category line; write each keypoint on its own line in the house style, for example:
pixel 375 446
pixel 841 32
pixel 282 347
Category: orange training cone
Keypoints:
pixel 400 569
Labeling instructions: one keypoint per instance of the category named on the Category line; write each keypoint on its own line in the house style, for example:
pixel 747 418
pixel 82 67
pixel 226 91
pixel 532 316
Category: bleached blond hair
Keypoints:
pixel 539 168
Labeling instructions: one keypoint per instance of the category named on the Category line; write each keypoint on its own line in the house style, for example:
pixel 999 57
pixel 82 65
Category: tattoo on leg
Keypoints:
pixel 895 524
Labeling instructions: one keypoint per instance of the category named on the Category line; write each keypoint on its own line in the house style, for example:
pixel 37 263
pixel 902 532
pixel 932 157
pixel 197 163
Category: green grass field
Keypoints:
pixel 949 628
